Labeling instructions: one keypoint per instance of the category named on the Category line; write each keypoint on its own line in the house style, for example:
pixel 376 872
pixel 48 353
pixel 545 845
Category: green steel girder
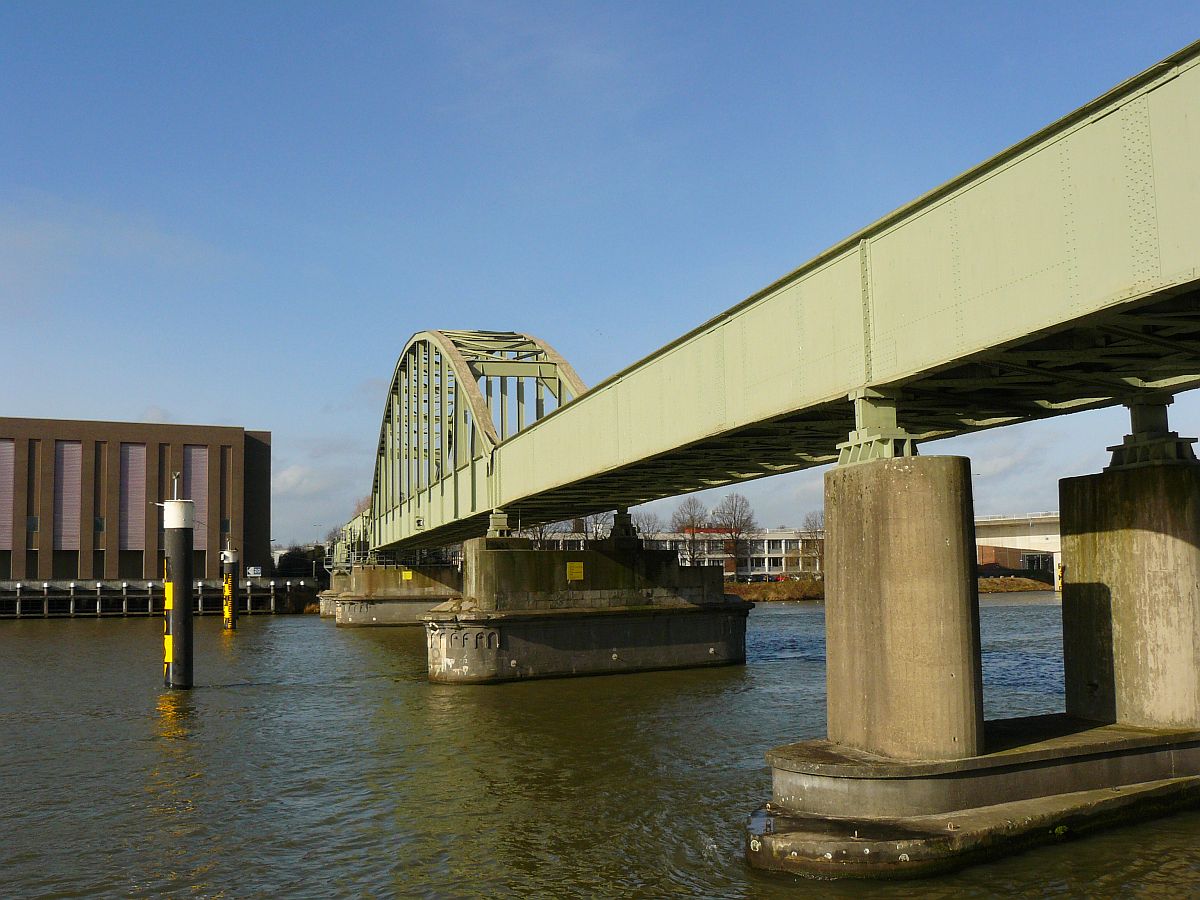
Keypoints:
pixel 1061 275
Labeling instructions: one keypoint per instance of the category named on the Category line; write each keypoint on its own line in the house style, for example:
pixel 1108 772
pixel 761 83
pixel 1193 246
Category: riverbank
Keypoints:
pixel 766 592
pixel 814 590
pixel 1007 584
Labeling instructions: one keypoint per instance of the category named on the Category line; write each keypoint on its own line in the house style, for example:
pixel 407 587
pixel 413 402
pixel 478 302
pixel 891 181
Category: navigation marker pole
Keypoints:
pixel 179 519
pixel 229 585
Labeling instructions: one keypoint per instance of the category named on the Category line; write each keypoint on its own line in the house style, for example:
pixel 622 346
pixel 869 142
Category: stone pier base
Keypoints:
pixel 486 647
pixel 612 608
pixel 393 595
pixel 390 611
pixel 841 813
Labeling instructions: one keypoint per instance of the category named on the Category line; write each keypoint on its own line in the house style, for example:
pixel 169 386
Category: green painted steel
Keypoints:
pixel 1059 275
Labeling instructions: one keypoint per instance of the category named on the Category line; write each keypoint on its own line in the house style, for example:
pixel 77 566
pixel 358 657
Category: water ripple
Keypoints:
pixel 318 762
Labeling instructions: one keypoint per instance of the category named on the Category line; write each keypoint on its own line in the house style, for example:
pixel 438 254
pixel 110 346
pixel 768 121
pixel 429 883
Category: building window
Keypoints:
pixel 98 525
pixel 31 524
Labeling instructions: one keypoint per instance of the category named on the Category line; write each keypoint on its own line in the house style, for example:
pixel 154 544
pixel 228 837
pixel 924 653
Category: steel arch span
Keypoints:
pixel 453 398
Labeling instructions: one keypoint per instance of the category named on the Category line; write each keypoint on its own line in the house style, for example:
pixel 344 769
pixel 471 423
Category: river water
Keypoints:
pixel 316 762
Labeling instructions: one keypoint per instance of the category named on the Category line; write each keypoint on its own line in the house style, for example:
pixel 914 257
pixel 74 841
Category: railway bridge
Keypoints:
pixel 1062 274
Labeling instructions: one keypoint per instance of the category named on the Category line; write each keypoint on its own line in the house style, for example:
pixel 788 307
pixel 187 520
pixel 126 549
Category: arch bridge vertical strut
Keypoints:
pixel 453 398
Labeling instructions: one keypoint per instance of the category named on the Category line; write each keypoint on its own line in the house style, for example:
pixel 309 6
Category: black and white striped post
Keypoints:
pixel 229 586
pixel 179 520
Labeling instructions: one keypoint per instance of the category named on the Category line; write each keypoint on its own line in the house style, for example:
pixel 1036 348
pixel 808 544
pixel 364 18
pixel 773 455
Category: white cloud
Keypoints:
pixel 156 413
pixel 49 246
pixel 298 481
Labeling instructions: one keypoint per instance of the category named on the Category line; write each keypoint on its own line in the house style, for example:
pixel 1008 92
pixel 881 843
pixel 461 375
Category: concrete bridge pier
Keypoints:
pixel 612 607
pixel 903 675
pixel 911 780
pixel 903 672
pixel 1131 581
pixel 374 595
pixel 903 666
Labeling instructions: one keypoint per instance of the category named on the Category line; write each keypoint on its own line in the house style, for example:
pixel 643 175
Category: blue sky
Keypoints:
pixel 237 213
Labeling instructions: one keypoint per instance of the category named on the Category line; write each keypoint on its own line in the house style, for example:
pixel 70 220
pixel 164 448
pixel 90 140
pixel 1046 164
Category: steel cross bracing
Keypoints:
pixel 1062 274
pixel 454 397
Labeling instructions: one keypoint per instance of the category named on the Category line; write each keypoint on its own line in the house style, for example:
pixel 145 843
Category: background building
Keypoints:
pixel 1030 541
pixel 771 552
pixel 77 498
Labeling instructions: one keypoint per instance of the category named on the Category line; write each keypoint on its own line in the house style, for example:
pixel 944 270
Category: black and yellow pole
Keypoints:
pixel 229 586
pixel 179 518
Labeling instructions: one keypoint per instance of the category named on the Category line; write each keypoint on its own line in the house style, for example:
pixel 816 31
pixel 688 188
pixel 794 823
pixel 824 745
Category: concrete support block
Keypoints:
pixel 404 582
pixel 1131 595
pixel 613 607
pixel 904 677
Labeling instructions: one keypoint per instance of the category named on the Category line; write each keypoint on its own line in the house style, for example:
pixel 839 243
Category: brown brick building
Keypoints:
pixel 77 499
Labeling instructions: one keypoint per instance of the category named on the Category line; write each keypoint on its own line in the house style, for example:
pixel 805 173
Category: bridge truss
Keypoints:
pixel 1062 274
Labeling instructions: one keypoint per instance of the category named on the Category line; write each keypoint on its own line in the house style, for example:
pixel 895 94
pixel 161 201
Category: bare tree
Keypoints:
pixel 687 519
pixel 597 526
pixel 543 535
pixel 735 518
pixel 646 522
pixel 814 520
pixel 363 504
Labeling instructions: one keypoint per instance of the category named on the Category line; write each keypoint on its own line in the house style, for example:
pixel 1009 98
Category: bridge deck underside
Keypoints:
pixel 1098 361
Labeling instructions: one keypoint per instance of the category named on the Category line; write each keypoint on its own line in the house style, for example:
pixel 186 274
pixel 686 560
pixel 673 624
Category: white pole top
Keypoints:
pixel 179 514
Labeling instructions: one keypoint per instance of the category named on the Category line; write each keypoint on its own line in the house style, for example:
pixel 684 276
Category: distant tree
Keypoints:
pixel 333 535
pixel 597 526
pixel 646 522
pixel 294 561
pixel 543 535
pixel 814 520
pixel 734 517
pixel 363 504
pixel 688 518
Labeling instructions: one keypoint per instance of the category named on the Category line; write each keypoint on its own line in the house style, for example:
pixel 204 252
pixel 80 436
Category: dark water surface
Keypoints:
pixel 316 762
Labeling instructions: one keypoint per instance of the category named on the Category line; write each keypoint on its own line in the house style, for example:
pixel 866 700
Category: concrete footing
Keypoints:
pixel 392 611
pixel 836 812
pixel 469 646
pixel 611 608
pixel 390 595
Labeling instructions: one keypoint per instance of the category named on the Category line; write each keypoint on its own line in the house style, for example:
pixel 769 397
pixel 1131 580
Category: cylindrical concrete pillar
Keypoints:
pixel 903 671
pixel 178 525
pixel 1131 595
